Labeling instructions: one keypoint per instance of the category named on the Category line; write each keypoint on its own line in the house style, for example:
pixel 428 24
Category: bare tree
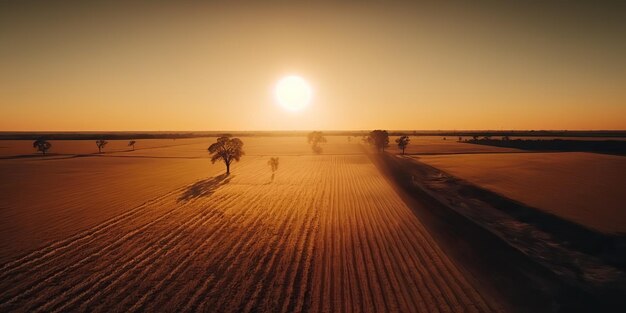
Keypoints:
pixel 42 145
pixel 380 139
pixel 402 142
pixel 101 143
pixel 226 149
pixel 132 144
pixel 316 138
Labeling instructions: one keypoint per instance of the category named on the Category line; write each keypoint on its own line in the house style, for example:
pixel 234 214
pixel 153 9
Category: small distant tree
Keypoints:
pixel 101 143
pixel 460 138
pixel 273 163
pixel 228 150
pixel 316 138
pixel 402 142
pixel 380 139
pixel 475 137
pixel 42 145
pixel 132 144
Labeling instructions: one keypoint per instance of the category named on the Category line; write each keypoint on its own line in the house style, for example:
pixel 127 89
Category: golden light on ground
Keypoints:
pixel 293 93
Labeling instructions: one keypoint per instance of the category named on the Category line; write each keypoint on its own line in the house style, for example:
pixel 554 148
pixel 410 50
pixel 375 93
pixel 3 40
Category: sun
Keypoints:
pixel 293 93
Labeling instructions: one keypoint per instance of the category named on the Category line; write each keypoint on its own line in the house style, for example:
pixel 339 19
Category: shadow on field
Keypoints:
pixel 508 272
pixel 204 188
pixel 615 147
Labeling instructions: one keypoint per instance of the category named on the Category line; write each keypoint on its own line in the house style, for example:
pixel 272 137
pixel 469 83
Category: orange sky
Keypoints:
pixel 115 66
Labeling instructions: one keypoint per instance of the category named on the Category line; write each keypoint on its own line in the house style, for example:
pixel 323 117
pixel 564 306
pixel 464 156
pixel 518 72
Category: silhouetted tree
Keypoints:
pixel 402 142
pixel 42 145
pixel 132 144
pixel 273 163
pixel 460 138
pixel 101 144
pixel 380 139
pixel 228 150
pixel 316 138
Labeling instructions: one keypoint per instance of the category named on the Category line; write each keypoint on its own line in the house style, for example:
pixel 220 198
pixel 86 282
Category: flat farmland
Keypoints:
pixel 180 148
pixel 585 188
pixel 50 199
pixel 80 147
pixel 163 230
pixel 426 145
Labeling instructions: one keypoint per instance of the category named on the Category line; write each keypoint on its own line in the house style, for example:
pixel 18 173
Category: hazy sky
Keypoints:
pixel 173 66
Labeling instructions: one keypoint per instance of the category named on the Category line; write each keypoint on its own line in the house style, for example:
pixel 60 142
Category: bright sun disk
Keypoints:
pixel 293 93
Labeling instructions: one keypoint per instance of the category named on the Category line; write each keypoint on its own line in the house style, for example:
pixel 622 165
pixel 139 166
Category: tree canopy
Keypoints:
pixel 316 138
pixel 273 163
pixel 42 145
pixel 379 138
pixel 402 142
pixel 228 150
pixel 101 143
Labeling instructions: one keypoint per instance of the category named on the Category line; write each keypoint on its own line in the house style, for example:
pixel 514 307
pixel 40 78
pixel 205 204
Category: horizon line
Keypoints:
pixel 316 129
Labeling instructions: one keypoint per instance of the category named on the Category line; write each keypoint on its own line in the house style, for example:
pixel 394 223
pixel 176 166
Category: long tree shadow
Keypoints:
pixel 204 188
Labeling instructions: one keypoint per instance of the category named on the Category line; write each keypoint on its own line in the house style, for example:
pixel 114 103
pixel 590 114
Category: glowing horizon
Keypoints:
pixel 140 67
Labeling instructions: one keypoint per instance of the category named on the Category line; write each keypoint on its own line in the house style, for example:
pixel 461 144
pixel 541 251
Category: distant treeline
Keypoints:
pixel 513 133
pixel 617 147
pixel 465 133
pixel 159 135
pixel 183 134
pixel 93 135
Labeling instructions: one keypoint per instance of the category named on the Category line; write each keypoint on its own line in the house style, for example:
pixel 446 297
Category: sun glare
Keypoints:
pixel 293 93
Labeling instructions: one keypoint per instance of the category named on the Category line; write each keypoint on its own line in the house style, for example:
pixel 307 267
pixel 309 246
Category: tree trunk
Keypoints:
pixel 227 168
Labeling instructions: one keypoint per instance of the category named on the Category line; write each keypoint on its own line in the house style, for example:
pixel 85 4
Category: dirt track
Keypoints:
pixel 327 234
